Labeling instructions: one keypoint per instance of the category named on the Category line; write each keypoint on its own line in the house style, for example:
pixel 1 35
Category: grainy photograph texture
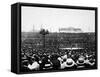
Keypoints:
pixel 57 39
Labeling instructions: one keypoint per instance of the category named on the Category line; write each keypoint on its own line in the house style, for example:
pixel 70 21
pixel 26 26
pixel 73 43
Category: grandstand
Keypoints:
pixel 61 39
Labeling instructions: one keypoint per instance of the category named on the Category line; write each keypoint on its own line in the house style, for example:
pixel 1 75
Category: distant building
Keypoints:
pixel 70 30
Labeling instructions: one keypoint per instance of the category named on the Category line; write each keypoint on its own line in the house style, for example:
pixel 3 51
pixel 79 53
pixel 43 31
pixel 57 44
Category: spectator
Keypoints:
pixel 34 65
pixel 70 63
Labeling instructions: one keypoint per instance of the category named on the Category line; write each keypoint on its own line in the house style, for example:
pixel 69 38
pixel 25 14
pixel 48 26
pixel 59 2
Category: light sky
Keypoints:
pixel 54 18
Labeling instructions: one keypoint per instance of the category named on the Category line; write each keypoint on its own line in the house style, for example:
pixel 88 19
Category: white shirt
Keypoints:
pixel 34 66
pixel 60 59
pixel 63 65
pixel 64 57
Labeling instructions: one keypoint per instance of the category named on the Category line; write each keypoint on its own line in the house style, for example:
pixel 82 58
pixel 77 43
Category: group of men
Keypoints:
pixel 57 62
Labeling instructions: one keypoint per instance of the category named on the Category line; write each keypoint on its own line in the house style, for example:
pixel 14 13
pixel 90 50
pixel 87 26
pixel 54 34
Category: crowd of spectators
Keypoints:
pixel 51 56
pixel 35 57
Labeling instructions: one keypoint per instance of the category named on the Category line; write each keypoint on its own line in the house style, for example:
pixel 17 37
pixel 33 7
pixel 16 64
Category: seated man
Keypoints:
pixel 60 59
pixel 81 62
pixel 55 62
pixel 33 65
pixel 68 63
pixel 48 65
pixel 90 62
pixel 44 61
pixel 63 64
